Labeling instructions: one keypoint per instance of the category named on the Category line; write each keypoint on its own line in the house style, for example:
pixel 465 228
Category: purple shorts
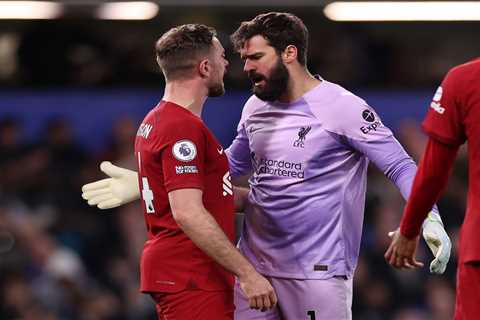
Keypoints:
pixel 302 299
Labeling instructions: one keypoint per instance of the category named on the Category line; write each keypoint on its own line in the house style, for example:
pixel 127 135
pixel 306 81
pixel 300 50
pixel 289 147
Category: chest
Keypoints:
pixel 292 136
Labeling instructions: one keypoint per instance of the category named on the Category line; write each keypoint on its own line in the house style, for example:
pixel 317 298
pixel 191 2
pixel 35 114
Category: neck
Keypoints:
pixel 189 94
pixel 301 81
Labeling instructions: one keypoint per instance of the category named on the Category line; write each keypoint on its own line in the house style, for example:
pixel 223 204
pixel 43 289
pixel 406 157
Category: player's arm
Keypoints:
pixel 389 156
pixel 121 187
pixel 199 225
pixel 240 165
pixel 240 197
pixel 431 178
pixel 239 153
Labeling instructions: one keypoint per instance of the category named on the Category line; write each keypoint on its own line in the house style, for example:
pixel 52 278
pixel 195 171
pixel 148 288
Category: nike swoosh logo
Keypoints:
pixel 252 129
pixel 220 151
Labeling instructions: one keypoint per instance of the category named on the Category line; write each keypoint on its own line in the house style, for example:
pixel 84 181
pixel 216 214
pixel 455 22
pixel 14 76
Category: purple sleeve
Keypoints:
pixel 389 156
pixel 239 154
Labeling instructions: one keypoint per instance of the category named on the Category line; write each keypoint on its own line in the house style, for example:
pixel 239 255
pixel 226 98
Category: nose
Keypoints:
pixel 248 66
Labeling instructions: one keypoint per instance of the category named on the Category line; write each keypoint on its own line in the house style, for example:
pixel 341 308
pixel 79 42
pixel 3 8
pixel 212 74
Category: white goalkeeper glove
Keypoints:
pixel 438 241
pixel 120 188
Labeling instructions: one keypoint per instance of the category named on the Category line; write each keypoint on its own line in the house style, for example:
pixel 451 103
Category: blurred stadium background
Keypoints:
pixel 76 78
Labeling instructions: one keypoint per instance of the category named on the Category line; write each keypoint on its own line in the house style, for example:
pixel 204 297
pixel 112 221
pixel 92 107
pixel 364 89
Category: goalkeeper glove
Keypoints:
pixel 438 241
pixel 120 188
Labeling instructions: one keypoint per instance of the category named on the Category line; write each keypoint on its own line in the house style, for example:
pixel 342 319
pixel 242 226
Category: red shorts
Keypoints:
pixel 467 306
pixel 194 304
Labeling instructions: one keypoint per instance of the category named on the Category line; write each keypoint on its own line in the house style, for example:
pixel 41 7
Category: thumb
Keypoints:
pixel 111 170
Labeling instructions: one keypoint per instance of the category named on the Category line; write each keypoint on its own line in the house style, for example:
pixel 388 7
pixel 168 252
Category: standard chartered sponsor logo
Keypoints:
pixel 281 168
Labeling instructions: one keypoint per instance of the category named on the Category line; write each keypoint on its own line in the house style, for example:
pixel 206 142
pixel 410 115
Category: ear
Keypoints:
pixel 289 54
pixel 204 68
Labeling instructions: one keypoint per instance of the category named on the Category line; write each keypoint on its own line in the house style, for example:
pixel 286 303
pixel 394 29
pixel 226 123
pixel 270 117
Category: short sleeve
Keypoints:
pixel 444 120
pixel 183 156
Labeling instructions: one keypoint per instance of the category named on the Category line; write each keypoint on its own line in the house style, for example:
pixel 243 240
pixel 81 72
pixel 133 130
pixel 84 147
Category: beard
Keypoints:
pixel 275 85
pixel 216 89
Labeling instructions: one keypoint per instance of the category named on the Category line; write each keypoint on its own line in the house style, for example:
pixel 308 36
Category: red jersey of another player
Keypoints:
pixel 175 150
pixel 454 117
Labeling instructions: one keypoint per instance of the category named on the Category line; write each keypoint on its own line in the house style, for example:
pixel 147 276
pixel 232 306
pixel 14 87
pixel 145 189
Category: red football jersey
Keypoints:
pixel 454 117
pixel 175 150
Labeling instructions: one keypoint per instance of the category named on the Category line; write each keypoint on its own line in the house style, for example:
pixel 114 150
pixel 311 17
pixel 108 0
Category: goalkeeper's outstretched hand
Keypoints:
pixel 120 188
pixel 439 243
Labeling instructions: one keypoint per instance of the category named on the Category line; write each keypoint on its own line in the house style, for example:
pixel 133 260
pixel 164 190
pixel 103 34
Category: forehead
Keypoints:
pixel 217 45
pixel 256 44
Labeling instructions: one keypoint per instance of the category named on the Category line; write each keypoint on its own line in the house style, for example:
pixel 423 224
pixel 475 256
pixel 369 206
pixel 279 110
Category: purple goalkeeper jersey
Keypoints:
pixel 308 161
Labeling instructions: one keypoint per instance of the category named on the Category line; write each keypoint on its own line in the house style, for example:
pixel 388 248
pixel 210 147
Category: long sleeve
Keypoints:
pixel 238 154
pixel 389 156
pixel 430 180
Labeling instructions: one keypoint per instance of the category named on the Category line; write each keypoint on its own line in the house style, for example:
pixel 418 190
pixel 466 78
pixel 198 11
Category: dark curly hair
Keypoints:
pixel 179 49
pixel 280 29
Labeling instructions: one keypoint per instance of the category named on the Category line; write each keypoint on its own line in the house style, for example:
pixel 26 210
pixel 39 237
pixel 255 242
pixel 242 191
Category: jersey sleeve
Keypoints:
pixel 431 178
pixel 444 120
pixel 183 156
pixel 238 152
pixel 352 118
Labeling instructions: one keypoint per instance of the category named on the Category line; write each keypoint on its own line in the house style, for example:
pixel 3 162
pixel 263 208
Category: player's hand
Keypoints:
pixel 258 290
pixel 401 252
pixel 439 243
pixel 120 188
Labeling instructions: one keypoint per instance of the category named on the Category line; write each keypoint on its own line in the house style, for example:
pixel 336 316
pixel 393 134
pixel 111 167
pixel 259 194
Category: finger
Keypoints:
pixel 109 169
pixel 95 193
pixel 398 262
pixel 266 302
pixel 273 298
pixel 259 300
pixel 109 204
pixel 391 234
pixel 392 256
pixel 412 263
pixel 417 264
pixel 253 303
pixel 407 264
pixel 97 199
pixel 100 184
pixel 388 253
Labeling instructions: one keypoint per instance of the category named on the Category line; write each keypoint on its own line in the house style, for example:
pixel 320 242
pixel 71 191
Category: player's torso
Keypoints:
pixel 471 241
pixel 288 145
pixel 170 260
pixel 217 192
pixel 297 190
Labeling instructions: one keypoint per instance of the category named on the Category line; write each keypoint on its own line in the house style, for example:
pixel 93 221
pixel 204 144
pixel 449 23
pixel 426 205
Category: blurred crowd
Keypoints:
pixel 90 53
pixel 63 260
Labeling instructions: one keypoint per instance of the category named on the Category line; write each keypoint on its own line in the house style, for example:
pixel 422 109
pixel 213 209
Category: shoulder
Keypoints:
pixel 344 113
pixel 469 68
pixel 251 105
pixel 174 124
pixel 463 77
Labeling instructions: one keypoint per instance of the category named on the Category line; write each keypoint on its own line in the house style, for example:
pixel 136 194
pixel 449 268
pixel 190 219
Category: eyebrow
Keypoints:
pixel 253 55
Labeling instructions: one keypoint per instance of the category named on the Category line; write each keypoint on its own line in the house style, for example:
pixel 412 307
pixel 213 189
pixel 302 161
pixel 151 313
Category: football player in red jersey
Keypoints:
pixel 453 118
pixel 188 261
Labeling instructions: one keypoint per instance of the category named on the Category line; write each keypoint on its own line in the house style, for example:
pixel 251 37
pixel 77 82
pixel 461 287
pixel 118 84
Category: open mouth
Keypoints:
pixel 259 83
pixel 257 79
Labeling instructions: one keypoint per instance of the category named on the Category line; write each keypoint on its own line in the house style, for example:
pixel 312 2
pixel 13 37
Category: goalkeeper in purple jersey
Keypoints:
pixel 306 144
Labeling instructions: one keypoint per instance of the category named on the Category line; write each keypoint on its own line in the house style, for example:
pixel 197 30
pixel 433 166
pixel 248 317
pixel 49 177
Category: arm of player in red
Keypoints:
pixel 430 180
